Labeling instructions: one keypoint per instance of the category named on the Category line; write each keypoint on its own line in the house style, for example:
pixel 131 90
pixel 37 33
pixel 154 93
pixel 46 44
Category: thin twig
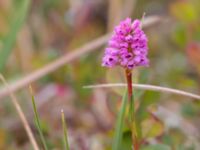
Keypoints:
pixel 21 114
pixel 147 87
pixel 76 53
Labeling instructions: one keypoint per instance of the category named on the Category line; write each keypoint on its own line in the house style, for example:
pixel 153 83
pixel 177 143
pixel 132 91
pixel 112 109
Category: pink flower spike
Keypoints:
pixel 127 47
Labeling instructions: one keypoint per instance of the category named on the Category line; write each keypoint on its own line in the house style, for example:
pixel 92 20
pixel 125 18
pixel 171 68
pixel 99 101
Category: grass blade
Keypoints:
pixel 120 122
pixel 65 139
pixel 14 29
pixel 37 120
pixel 21 114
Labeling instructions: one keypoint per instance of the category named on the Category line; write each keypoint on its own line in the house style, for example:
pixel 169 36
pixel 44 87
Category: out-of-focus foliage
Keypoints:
pixel 157 147
pixel 15 25
pixel 53 28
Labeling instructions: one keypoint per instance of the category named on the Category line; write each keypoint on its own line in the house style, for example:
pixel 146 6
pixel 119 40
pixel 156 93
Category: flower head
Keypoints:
pixel 127 46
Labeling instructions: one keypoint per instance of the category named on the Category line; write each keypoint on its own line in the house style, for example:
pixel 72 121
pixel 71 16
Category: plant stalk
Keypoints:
pixel 132 117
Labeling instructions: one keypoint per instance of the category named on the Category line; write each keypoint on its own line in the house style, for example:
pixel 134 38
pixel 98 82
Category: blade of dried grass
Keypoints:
pixel 147 87
pixel 21 115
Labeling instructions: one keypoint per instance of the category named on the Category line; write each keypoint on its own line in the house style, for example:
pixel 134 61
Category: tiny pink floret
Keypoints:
pixel 127 47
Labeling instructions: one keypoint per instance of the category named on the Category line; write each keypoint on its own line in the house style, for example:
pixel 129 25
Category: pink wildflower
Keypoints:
pixel 127 47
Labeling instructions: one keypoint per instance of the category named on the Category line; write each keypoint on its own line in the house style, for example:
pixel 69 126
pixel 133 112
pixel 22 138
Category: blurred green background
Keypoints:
pixel 35 33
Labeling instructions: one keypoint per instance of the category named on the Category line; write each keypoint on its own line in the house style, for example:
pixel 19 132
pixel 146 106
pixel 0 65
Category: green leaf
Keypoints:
pixel 148 99
pixel 157 147
pixel 15 27
pixel 126 143
pixel 120 123
pixel 37 121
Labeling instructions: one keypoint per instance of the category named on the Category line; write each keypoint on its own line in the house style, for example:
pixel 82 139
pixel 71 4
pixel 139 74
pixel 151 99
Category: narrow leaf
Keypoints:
pixel 65 139
pixel 15 27
pixel 38 120
pixel 120 123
